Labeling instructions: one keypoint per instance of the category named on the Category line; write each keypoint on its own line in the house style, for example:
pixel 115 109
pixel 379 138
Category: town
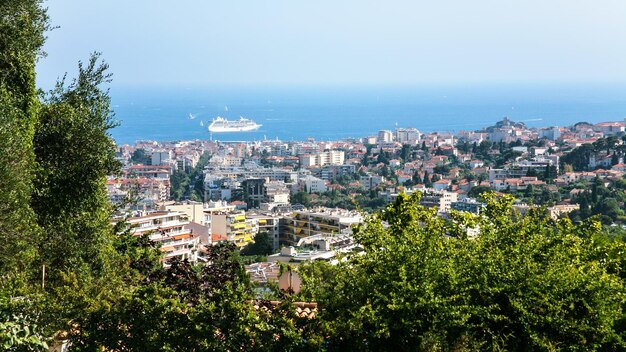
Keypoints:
pixel 312 176
pixel 297 201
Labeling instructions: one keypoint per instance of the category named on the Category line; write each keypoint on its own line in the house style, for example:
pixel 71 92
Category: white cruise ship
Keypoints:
pixel 242 125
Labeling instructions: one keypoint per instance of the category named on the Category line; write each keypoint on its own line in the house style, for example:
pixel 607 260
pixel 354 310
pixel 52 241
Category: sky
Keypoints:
pixel 339 42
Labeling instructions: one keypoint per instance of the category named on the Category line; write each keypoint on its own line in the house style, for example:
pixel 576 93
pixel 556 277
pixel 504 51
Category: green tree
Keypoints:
pixel 301 197
pixel 416 178
pixel 74 154
pixel 19 330
pixel 521 283
pixel 579 157
pixel 140 157
pixel 427 180
pixel 441 169
pixel 614 159
pixel 21 39
pixel 405 152
pixel 189 183
pixel 550 173
pixel 262 245
pixel 383 157
pixel 610 208
pixel 195 309
pixel 384 171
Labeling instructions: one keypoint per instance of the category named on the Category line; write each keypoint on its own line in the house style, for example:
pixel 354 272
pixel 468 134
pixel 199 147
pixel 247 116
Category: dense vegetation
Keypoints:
pixel 346 198
pixel 21 38
pixel 140 156
pixel 476 282
pixel 58 256
pixel 595 198
pixel 580 157
pixel 187 184
pixel 523 283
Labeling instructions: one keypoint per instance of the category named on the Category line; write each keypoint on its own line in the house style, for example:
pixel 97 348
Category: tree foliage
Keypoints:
pixel 494 281
pixel 604 203
pixel 22 27
pixel 194 309
pixel 522 283
pixel 579 158
pixel 74 154
pixel 262 245
pixel 140 157
pixel 189 183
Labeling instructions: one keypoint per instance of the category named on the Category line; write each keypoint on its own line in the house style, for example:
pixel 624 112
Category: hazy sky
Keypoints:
pixel 340 42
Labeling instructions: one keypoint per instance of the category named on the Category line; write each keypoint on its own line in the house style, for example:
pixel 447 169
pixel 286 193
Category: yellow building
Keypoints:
pixel 233 226
pixel 269 224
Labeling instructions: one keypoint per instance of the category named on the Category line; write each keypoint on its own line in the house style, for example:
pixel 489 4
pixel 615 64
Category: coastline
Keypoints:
pixel 331 114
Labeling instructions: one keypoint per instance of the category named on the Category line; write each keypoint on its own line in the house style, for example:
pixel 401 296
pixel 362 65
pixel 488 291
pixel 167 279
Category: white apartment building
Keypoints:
pixel 150 171
pixel 331 172
pixel 214 207
pixel 385 136
pixel 441 199
pixel 312 184
pixel 407 136
pixel 332 157
pixel 169 230
pixel 304 223
pixel 552 133
pixel 308 160
pixel 430 198
pixel 276 192
pixel 329 157
pixel 371 181
pixel 193 210
pixel 369 140
pixel 225 160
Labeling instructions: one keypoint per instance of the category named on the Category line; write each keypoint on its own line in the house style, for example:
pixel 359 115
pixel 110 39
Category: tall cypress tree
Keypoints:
pixel 22 27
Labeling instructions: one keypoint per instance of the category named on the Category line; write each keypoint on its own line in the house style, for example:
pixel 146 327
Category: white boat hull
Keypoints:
pixel 242 125
pixel 234 129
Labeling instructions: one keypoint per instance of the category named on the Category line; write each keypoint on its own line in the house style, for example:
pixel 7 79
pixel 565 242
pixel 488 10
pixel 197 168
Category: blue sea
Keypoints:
pixel 325 113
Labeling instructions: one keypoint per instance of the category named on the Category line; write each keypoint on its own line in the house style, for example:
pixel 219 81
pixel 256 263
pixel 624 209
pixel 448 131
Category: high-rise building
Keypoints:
pixel 385 136
pixel 407 136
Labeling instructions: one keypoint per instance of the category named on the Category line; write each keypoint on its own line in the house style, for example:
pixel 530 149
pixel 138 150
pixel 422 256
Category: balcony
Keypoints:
pixel 158 236
pixel 179 252
pixel 164 225
pixel 186 244
pixel 238 226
